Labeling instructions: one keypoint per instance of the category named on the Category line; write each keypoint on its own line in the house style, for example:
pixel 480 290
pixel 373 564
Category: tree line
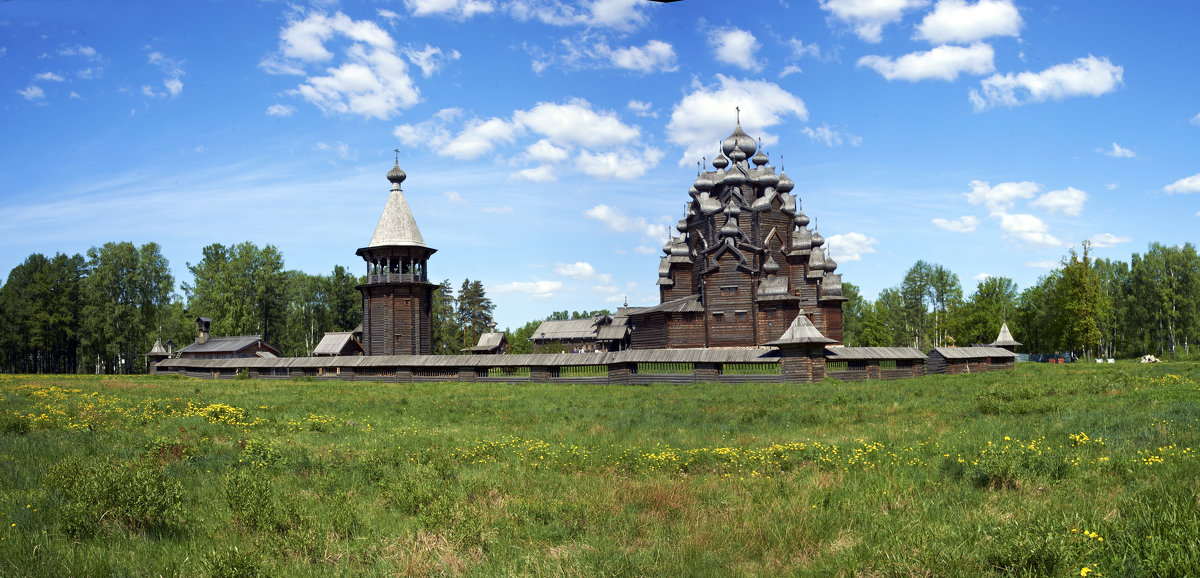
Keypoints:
pixel 1092 307
pixel 101 312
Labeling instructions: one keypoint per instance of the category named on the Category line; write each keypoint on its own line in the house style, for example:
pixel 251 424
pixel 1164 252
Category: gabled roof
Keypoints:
pixel 490 341
pixel 689 304
pixel 334 342
pixel 1005 338
pixel 157 348
pixel 565 329
pixel 840 353
pixel 801 331
pixel 226 345
pixel 971 352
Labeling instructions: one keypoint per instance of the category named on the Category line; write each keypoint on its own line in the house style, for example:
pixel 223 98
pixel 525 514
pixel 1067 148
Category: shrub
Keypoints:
pixel 135 495
pixel 14 424
pixel 231 563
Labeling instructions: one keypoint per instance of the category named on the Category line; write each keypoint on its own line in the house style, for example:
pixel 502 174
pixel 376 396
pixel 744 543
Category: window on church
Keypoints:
pixel 740 316
pixel 729 292
pixel 769 313
pixel 718 317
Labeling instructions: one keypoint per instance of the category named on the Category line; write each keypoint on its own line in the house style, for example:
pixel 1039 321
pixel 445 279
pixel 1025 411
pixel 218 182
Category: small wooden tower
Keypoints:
pixel 1005 339
pixel 397 297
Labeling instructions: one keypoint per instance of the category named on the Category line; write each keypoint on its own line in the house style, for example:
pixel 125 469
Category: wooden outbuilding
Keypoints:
pixel 859 363
pixel 969 359
pixel 238 346
pixel 491 343
pixel 338 343
pixel 1005 339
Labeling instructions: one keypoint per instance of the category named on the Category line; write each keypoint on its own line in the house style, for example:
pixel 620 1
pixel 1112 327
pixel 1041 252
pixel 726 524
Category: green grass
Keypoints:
pixel 1045 470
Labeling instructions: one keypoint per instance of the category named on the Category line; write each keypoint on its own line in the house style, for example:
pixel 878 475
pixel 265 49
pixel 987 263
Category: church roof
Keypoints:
pixel 397 227
pixel 1005 338
pixel 971 352
pixel 333 342
pixel 801 331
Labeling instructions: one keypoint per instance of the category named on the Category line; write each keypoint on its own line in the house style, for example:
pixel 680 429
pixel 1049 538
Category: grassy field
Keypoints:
pixel 1076 470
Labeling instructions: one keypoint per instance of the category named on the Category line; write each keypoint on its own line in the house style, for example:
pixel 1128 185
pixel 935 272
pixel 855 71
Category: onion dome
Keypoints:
pixel 730 228
pixel 667 247
pixel 703 183
pixel 734 179
pixel 682 226
pixel 720 162
pixel 760 159
pixel 396 176
pixel 817 239
pixel 768 178
pixel 785 184
pixel 816 263
pixel 770 267
pixel 738 146
pixel 800 219
pixel 830 264
pixel 802 240
pixel 680 249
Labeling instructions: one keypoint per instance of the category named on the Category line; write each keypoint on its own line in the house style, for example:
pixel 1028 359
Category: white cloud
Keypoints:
pixel 735 46
pixel 1196 120
pixel 538 174
pixel 479 137
pixel 580 270
pixel 32 92
pixel 539 290
pixel 705 115
pixel 1042 264
pixel 1112 186
pixel 1088 76
pixel 618 165
pixel 640 108
pixel 941 63
pixel 280 110
pixel 576 122
pixel 614 14
pixel 498 210
pixel 430 59
pixel 1029 229
pixel 830 136
pixel 1000 198
pixel 790 70
pixel 87 52
pixel 48 76
pixel 1119 152
pixel 1105 240
pixel 172 71
pixel 388 15
pixel 342 150
pixel 620 222
pixel 545 151
pixel 1185 185
pixel 455 198
pixel 800 49
pixel 456 9
pixel 964 224
pixel 982 276
pixel 868 17
pixel 371 80
pixel 850 247
pixel 655 56
pixel 957 21
pixel 1068 201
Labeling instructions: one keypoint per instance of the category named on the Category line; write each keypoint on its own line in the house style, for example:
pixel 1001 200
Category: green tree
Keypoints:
pixel 446 334
pixel 521 340
pixel 992 304
pixel 474 312
pixel 241 288
pixel 39 315
pixel 886 324
pixel 125 298
pixel 1081 303
pixel 854 313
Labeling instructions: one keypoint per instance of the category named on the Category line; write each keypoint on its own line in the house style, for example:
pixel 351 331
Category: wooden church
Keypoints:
pixel 745 264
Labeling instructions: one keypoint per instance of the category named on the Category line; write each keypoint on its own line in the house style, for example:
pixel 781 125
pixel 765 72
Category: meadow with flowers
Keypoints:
pixel 1058 470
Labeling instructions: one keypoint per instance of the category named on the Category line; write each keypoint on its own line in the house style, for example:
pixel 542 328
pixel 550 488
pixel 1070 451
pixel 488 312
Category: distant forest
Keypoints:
pixel 100 312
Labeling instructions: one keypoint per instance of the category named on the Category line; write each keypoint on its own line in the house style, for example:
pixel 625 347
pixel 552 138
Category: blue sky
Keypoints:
pixel 550 145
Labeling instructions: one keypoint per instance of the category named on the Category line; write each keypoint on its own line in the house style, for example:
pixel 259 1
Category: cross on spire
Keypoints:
pixel 739 114
pixel 397 157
